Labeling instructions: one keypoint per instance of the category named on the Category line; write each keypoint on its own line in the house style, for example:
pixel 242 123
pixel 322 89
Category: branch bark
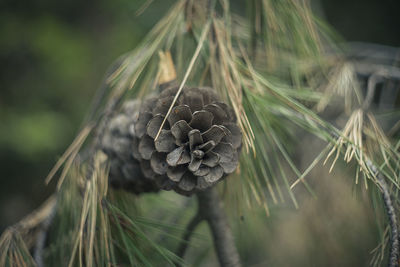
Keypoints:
pixel 212 210
pixel 389 208
pixel 42 235
pixel 194 222
pixel 394 240
pixel 394 232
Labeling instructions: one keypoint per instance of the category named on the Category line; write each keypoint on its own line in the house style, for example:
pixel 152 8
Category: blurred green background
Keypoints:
pixel 53 57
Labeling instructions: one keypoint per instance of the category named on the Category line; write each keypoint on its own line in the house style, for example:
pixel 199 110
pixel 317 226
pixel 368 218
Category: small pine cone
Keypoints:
pixel 117 142
pixel 198 145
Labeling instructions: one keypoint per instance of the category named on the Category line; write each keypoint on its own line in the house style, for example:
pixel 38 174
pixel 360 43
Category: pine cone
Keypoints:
pixel 117 142
pixel 198 145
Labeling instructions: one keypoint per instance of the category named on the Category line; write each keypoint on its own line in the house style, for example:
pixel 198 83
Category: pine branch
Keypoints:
pixel 194 222
pixel 42 236
pixel 211 208
pixel 394 236
pixel 31 230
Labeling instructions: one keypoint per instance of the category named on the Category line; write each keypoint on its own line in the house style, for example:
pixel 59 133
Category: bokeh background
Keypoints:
pixel 53 57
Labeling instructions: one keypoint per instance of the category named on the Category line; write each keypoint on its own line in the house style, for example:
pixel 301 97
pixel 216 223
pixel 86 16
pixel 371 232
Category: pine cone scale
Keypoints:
pixel 202 171
pixel 165 142
pixel 146 147
pixel 180 130
pixel 211 160
pixel 214 175
pixel 180 113
pixel 201 120
pixel 178 156
pixel 207 147
pixel 175 174
pixel 225 151
pixel 140 126
pixel 194 164
pixel 219 114
pixel 188 182
pixel 215 133
pixel 158 163
pixel 154 125
pixel 234 135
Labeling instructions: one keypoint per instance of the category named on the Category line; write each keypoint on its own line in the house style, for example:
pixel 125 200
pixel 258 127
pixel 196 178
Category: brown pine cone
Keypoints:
pixel 117 142
pixel 198 145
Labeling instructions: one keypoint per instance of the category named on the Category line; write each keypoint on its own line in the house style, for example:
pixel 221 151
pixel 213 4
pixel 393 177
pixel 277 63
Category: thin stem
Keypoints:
pixel 211 208
pixel 394 232
pixel 194 222
pixel 42 236
pixel 394 235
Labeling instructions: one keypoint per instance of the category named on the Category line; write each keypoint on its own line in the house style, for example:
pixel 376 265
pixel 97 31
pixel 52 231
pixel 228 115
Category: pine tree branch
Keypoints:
pixel 394 237
pixel 33 228
pixel 194 222
pixel 394 232
pixel 211 208
pixel 42 236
